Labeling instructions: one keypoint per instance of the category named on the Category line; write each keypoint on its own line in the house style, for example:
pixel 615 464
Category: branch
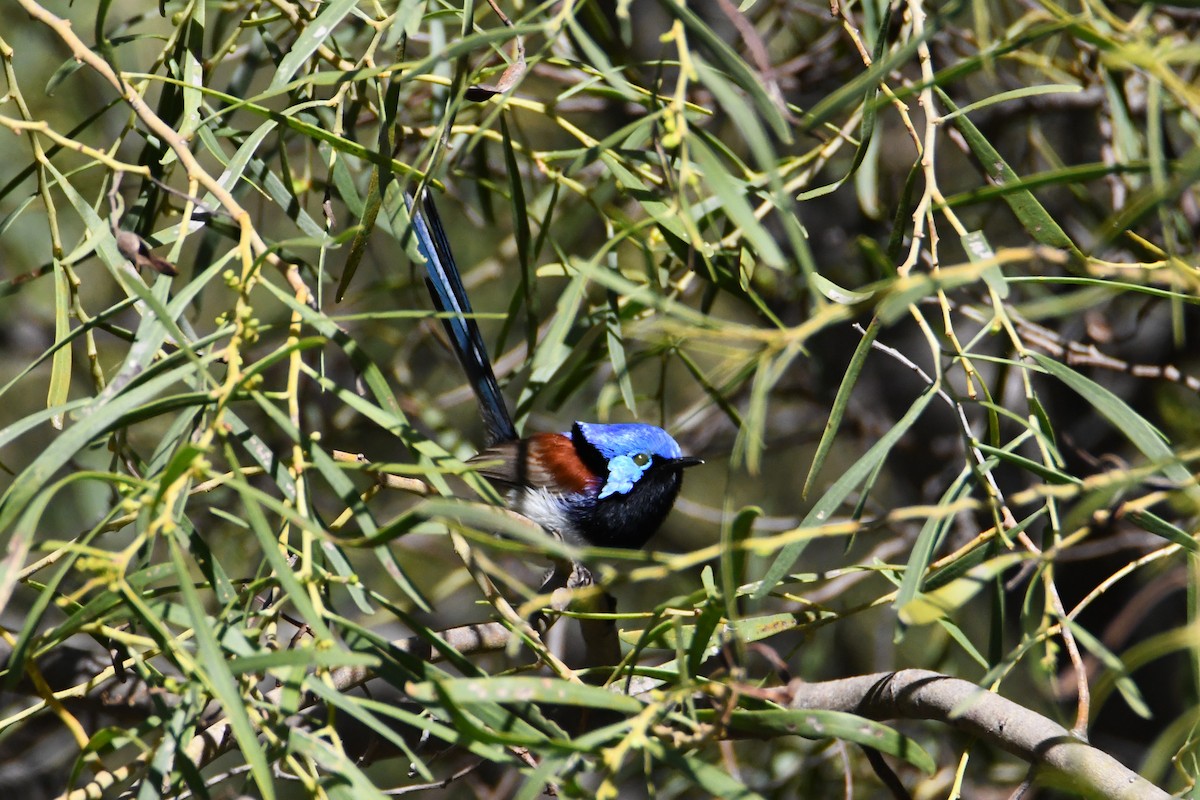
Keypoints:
pixel 1062 759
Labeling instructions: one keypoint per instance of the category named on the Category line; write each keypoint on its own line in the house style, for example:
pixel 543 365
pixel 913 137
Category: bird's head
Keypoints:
pixel 638 470
pixel 621 454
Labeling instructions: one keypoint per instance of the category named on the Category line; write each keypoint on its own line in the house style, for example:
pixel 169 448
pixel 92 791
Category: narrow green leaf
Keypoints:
pixel 1144 436
pixel 180 464
pixel 706 638
pixel 22 504
pixel 839 491
pixel 735 65
pixel 1063 176
pixel 840 402
pixel 366 226
pixel 313 36
pixel 741 114
pixel 597 59
pixel 746 629
pixel 926 608
pixel 351 706
pixel 707 776
pixel 65 70
pixel 977 247
pixel 734 535
pixel 191 43
pixel 372 713
pixel 12 216
pixel 351 783
pixel 554 349
pixel 1185 172
pixel 732 193
pixel 868 80
pixel 1037 222
pixel 926 544
pixel 469 691
pixel 1029 465
pixel 236 166
pixel 1152 523
pixel 616 353
pixel 311 658
pixel 666 216
pixel 1015 94
pixel 253 502
pixel 345 489
pixel 214 670
pixel 822 724
pixel 1124 681
pixel 60 368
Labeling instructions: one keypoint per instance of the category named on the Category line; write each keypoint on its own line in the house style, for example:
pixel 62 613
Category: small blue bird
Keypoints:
pixel 599 484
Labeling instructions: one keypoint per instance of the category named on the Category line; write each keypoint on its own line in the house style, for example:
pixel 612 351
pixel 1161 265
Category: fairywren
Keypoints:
pixel 609 485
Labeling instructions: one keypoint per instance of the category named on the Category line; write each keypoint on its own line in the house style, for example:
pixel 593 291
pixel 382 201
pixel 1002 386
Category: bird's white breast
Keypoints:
pixel 546 509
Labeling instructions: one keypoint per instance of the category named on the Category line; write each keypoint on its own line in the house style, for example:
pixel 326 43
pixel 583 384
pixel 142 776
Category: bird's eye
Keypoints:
pixel 641 459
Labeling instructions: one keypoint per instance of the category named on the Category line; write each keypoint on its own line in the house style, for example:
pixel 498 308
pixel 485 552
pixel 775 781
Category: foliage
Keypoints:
pixel 910 278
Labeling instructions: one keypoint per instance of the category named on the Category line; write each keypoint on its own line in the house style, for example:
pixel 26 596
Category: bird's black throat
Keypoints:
pixel 630 519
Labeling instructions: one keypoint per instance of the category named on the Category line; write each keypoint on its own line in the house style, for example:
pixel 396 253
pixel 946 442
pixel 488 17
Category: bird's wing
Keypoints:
pixel 543 461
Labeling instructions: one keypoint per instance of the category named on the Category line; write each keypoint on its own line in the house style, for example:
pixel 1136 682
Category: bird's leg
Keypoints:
pixel 563 584
pixel 561 576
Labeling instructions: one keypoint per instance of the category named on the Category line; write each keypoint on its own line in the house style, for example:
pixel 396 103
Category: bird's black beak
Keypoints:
pixel 686 461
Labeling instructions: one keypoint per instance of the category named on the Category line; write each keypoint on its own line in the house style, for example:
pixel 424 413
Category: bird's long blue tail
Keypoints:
pixel 450 298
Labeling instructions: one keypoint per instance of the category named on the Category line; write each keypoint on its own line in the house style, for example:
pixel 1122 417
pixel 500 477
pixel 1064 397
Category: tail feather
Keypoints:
pixel 450 298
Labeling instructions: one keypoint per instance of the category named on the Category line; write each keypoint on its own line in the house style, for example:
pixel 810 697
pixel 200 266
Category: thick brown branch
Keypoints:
pixel 920 694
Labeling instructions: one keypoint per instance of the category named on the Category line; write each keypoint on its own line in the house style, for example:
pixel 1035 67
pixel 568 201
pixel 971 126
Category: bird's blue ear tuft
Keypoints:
pixel 623 473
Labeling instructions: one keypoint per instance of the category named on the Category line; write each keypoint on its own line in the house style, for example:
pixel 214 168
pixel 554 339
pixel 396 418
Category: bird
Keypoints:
pixel 598 484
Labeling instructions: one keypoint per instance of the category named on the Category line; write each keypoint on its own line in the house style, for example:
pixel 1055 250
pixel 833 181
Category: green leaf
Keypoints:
pixel 735 65
pixel 1152 523
pixel 836 494
pixel 926 544
pixel 354 707
pixel 840 402
pixel 1124 681
pixel 253 503
pixel 821 724
pixel 1144 436
pixel 977 247
pixel 746 629
pixel 351 783
pixel 732 193
pixel 1037 222
pixel 60 368
pixel 707 776
pixel 1029 465
pixel 926 608
pixel 213 669
pixel 191 43
pixel 312 37
pixel 554 349
pixel 366 225
pixel 470 691
pixel 310 658
pixel 22 504
pixel 1015 94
